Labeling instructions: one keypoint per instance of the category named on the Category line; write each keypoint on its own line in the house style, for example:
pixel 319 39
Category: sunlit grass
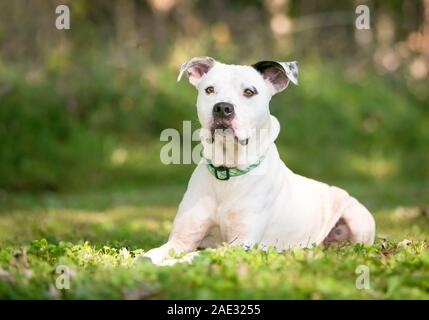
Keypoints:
pixel 100 236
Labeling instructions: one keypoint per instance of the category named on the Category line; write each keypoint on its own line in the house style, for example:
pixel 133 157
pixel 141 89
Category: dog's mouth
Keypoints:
pixel 221 126
pixel 224 129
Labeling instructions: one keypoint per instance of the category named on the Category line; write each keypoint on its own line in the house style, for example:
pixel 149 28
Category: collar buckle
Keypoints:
pixel 224 170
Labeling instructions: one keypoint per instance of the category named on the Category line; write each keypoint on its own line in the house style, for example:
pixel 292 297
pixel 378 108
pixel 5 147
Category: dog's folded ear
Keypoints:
pixel 278 73
pixel 196 68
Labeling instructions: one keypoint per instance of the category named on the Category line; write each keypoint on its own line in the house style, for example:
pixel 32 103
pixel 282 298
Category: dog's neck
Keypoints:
pixel 226 151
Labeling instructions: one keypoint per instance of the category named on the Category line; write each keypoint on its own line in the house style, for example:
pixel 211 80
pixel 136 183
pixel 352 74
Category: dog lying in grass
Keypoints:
pixel 241 192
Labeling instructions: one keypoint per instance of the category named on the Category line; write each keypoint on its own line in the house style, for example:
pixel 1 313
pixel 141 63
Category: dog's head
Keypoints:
pixel 236 97
pixel 233 106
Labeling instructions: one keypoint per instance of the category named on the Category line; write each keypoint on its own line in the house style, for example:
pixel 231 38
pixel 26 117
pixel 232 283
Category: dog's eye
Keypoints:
pixel 209 90
pixel 249 92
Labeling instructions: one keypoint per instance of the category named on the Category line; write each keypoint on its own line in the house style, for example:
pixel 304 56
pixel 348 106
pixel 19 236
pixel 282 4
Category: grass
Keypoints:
pixel 100 235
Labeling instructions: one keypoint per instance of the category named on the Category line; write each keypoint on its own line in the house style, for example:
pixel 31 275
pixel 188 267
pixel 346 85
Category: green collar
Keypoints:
pixel 224 173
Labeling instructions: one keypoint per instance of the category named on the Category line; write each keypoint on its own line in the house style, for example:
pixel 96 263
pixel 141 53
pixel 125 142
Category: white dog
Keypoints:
pixel 257 200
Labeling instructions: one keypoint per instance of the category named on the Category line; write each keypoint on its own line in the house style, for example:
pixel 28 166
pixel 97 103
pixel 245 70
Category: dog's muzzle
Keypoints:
pixel 223 114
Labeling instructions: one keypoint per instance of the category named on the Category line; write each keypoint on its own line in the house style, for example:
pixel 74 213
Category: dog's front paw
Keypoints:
pixel 157 255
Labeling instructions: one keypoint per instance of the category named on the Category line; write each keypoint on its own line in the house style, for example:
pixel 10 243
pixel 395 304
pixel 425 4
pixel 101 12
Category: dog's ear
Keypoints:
pixel 196 68
pixel 278 74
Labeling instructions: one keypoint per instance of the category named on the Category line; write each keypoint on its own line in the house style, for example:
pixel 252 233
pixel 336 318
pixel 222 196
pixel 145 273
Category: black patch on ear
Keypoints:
pixel 274 72
pixel 261 66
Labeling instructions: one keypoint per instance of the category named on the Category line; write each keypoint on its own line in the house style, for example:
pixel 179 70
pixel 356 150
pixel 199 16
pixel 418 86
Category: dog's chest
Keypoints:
pixel 231 224
pixel 239 201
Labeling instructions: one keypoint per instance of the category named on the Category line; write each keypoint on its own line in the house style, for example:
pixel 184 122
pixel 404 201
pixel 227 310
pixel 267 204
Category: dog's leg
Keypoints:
pixel 212 239
pixel 356 224
pixel 193 219
pixel 360 222
pixel 245 228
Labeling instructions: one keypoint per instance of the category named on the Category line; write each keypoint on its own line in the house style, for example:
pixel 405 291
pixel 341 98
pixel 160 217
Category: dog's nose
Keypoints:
pixel 223 109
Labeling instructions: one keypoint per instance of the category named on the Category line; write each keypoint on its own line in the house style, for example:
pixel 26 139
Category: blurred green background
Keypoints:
pixel 83 108
pixel 81 112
